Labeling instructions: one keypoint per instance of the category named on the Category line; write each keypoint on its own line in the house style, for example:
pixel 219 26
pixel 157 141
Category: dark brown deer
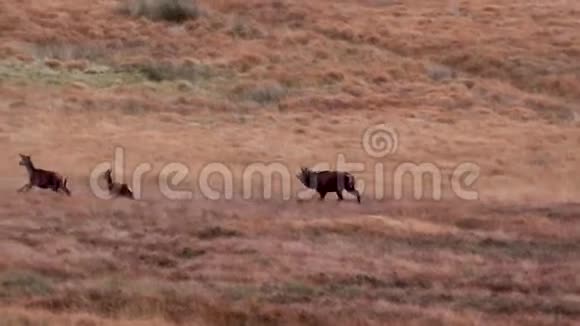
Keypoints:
pixel 42 178
pixel 117 189
pixel 328 181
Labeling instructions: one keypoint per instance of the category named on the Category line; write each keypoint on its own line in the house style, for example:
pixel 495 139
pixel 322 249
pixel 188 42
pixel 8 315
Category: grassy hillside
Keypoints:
pixel 231 84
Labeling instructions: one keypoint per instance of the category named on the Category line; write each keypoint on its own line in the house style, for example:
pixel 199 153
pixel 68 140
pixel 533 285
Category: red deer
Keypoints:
pixel 42 178
pixel 328 181
pixel 117 189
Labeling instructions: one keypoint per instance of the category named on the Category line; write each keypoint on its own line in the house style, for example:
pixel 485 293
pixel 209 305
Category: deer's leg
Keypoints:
pixel 129 194
pixel 25 188
pixel 356 193
pixel 60 187
pixel 65 190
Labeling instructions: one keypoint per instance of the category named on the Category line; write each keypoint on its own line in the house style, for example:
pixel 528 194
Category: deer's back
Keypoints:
pixel 45 178
pixel 328 180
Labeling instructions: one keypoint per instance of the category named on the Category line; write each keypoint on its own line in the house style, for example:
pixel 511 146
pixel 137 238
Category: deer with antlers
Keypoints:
pixel 117 189
pixel 43 179
pixel 328 181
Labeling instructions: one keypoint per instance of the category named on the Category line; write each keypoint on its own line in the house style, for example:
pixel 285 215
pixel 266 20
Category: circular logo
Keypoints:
pixel 380 140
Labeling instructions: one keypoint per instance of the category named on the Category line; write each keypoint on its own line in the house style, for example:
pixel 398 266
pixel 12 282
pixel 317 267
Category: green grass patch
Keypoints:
pixel 163 71
pixel 93 76
pixel 291 292
pixel 262 93
pixel 21 283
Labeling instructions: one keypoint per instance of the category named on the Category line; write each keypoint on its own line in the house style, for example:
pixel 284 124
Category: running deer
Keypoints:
pixel 328 181
pixel 42 178
pixel 117 189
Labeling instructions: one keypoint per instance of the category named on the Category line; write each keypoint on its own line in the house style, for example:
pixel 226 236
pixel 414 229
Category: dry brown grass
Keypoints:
pixel 234 262
pixel 294 82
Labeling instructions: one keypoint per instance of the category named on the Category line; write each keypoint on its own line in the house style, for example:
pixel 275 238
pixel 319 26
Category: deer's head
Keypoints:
pixel 107 175
pixel 25 160
pixel 304 176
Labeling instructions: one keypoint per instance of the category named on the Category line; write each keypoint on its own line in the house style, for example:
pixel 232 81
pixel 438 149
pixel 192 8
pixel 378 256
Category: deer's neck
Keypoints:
pixel 308 182
pixel 30 169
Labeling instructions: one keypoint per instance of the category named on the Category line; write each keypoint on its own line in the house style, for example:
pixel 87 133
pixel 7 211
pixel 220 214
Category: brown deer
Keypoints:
pixel 328 181
pixel 42 178
pixel 117 189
